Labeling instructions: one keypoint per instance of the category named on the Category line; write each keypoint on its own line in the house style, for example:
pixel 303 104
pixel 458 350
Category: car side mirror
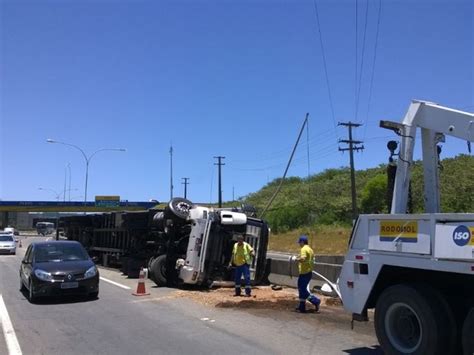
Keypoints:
pixel 95 259
pixel 24 262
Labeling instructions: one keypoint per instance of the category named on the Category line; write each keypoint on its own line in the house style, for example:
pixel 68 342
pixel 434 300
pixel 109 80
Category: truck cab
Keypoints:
pixel 201 241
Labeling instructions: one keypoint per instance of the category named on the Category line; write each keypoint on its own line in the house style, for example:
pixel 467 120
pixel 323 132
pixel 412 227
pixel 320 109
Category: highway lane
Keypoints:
pixel 119 323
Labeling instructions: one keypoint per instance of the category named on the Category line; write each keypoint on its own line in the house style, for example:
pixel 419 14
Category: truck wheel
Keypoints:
pixel 158 270
pixel 180 207
pixel 467 334
pixel 414 320
pixel 150 271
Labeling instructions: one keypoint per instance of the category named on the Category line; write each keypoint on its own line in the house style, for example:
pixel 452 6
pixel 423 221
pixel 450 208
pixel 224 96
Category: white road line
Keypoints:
pixel 8 331
pixel 115 283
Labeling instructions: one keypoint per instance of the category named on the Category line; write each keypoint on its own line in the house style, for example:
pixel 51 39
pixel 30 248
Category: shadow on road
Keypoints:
pixel 65 299
pixel 375 350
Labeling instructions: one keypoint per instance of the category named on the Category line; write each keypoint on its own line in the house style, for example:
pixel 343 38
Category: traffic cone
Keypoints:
pixel 141 285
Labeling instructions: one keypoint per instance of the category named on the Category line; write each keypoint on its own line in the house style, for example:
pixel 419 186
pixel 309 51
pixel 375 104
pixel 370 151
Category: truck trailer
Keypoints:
pixel 181 244
pixel 416 270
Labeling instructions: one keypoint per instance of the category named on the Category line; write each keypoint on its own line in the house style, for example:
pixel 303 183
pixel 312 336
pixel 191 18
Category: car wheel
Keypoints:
pixel 180 207
pixel 158 270
pixel 414 320
pixel 31 293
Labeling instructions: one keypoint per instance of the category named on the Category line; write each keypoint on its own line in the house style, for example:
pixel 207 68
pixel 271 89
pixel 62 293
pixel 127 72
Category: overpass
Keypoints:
pixel 48 206
pixel 18 213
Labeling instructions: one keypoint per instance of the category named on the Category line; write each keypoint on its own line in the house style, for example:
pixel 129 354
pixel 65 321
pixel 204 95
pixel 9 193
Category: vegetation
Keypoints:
pixel 324 198
pixel 323 239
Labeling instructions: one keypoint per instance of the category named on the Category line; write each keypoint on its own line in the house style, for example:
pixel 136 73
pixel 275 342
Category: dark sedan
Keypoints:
pixel 58 268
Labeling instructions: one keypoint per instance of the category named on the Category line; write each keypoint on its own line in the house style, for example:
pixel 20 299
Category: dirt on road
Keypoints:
pixel 263 297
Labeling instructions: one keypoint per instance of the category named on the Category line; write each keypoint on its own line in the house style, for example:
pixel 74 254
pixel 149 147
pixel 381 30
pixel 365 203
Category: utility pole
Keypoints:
pixel 171 172
pixel 354 145
pixel 219 164
pixel 185 183
pixel 233 193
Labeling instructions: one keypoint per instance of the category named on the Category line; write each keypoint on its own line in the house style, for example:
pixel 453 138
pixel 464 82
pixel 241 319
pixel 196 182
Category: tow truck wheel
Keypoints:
pixel 467 334
pixel 414 320
pixel 180 207
pixel 158 270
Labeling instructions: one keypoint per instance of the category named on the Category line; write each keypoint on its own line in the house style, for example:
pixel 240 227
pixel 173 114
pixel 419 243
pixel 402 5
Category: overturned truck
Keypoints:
pixel 180 244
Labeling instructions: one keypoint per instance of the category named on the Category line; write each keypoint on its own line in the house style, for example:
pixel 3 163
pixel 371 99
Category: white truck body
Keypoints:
pixel 416 270
pixel 417 241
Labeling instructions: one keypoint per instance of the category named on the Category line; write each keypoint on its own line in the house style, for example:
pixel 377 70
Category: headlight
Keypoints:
pixel 91 272
pixel 43 275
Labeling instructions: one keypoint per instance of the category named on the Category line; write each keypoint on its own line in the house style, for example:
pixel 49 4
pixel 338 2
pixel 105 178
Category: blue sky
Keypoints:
pixel 232 78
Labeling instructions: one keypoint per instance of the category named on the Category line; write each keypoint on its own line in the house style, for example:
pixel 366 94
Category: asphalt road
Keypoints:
pixel 119 323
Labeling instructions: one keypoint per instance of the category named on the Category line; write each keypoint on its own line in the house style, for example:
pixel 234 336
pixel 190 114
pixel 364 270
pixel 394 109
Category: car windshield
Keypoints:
pixel 6 238
pixel 59 252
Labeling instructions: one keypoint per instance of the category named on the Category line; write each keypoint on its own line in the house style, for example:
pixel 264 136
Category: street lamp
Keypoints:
pixel 86 158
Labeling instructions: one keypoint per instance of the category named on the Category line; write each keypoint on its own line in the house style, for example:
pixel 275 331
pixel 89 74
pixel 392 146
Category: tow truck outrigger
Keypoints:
pixel 417 270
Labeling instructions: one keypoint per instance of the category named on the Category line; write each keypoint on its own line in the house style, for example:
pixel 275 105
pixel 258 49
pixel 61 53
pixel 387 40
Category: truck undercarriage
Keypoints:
pixel 182 243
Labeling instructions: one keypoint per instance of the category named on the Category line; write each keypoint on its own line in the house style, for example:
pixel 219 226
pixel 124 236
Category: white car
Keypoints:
pixel 11 230
pixel 7 244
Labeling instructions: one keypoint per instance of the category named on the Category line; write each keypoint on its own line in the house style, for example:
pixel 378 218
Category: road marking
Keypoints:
pixel 115 283
pixel 8 331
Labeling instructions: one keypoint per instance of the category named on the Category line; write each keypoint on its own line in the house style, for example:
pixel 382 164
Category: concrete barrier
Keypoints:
pixel 281 273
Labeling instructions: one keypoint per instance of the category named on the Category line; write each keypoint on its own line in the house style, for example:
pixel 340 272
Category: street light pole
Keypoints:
pixel 86 158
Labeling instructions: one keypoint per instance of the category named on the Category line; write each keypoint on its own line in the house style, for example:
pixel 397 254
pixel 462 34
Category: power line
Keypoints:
pixel 356 56
pixel 287 167
pixel 379 15
pixel 307 147
pixel 325 65
pixel 277 154
pixel 362 59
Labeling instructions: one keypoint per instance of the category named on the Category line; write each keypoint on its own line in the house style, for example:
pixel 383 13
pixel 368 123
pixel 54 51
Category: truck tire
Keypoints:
pixel 413 319
pixel 180 207
pixel 150 271
pixel 468 334
pixel 158 270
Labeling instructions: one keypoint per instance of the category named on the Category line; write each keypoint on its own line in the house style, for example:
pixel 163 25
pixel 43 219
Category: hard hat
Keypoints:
pixel 303 239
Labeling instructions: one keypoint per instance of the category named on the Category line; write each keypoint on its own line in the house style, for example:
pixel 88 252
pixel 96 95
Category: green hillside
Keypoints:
pixel 324 198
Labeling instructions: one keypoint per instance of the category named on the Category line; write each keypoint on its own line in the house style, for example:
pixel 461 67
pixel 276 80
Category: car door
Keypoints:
pixel 26 265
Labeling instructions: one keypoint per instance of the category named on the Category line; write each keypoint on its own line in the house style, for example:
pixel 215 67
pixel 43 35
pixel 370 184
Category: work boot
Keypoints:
pixel 248 291
pixel 237 292
pixel 316 303
pixel 301 308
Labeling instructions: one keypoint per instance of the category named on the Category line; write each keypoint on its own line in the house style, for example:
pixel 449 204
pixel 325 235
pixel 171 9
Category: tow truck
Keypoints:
pixel 416 270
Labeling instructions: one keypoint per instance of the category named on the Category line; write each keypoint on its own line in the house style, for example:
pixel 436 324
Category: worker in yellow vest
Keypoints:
pixel 242 255
pixel 305 268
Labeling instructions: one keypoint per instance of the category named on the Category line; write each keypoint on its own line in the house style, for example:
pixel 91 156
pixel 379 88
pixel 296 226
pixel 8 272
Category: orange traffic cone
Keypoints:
pixel 141 285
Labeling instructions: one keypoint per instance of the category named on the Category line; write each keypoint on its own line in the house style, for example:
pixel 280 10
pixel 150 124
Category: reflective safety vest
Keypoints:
pixel 241 254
